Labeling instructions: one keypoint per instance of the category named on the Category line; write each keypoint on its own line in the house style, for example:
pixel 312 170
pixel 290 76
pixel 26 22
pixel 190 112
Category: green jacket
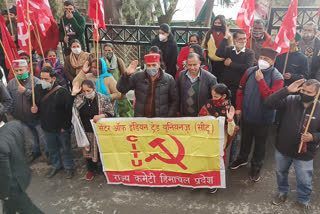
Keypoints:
pixel 13 168
pixel 75 29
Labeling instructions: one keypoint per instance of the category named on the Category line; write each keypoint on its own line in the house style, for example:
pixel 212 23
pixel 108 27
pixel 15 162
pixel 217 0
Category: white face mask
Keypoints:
pixel 90 96
pixel 45 85
pixel 162 37
pixel 263 65
pixel 76 51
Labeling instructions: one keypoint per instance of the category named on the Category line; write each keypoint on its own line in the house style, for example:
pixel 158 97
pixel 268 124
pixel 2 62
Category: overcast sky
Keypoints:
pixel 186 10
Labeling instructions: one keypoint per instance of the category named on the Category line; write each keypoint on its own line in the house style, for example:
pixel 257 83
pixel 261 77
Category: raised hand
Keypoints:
pixel 228 34
pixel 230 113
pixel 86 67
pixel 132 68
pixel 76 89
pixel 295 86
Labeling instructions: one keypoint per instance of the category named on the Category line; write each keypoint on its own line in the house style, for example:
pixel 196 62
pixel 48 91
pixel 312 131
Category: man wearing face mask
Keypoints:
pixel 22 102
pixel 155 90
pixel 297 64
pixel 169 48
pixel 72 26
pixel 238 59
pixel 310 46
pixel 260 39
pixel 256 85
pixel 54 103
pixel 194 87
pixel 115 64
pixel 296 110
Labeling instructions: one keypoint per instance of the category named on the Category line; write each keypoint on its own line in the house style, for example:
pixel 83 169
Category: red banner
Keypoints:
pixel 96 7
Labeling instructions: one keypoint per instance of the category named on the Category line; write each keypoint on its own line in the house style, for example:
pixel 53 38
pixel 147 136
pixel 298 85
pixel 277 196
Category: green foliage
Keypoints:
pixel 56 8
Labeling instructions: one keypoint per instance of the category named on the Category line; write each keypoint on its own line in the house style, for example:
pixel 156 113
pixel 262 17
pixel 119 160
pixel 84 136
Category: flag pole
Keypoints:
pixel 309 120
pixel 37 35
pixel 285 63
pixel 251 39
pixel 98 62
pixel 30 54
pixel 11 28
pixel 6 55
pixel 92 27
pixel 64 30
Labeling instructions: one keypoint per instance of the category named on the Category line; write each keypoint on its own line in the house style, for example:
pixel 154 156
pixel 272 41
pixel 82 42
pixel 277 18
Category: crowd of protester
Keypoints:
pixel 222 75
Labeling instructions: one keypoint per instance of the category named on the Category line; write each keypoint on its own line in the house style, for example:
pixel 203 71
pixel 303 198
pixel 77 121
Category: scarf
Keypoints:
pixel 218 108
pixel 113 67
pixel 77 64
pixel 102 87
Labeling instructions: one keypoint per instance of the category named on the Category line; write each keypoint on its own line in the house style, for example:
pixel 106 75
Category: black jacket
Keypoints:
pixel 166 98
pixel 169 52
pixel 315 61
pixel 207 80
pixel 13 168
pixel 56 111
pixel 232 74
pixel 293 114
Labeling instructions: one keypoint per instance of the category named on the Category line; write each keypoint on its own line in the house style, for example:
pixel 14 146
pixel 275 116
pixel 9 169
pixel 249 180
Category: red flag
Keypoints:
pixel 23 35
pixel 98 21
pixel 8 45
pixel 287 30
pixel 246 16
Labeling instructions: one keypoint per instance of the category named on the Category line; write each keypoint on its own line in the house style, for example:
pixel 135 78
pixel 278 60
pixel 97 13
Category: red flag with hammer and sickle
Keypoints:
pixel 287 30
pixel 246 16
pixel 99 21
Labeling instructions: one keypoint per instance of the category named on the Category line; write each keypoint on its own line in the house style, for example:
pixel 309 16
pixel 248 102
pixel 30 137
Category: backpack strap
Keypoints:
pixel 50 92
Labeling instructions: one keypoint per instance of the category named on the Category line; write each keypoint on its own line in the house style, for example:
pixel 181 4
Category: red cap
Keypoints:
pixel 150 58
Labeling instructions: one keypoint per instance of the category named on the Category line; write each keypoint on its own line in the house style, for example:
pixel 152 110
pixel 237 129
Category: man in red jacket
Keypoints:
pixel 260 39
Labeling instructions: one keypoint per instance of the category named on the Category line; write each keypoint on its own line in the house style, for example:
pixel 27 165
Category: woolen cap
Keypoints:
pixel 268 52
pixel 165 28
pixel 19 63
pixel 150 58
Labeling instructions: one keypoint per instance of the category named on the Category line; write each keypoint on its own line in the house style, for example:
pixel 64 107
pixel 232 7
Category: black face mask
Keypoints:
pixel 218 28
pixel 306 98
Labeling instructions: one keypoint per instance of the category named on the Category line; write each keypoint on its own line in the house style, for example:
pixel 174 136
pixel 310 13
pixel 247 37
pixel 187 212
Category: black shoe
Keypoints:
pixel 48 159
pixel 212 191
pixel 254 174
pixel 279 199
pixel 34 156
pixel 238 163
pixel 69 173
pixel 52 172
pixel 305 208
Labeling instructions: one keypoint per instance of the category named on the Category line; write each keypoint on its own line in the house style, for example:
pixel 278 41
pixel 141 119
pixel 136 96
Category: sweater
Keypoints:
pixel 297 66
pixel 257 44
pixel 74 28
pixel 293 114
pixel 212 48
pixel 232 74
pixel 251 95
pixel 55 111
pixel 169 51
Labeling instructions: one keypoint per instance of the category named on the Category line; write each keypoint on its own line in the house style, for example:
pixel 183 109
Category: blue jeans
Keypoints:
pixel 304 173
pixel 38 136
pixel 60 141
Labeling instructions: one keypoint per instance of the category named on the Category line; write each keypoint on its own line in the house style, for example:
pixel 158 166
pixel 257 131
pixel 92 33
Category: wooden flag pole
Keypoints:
pixel 251 39
pixel 64 30
pixel 98 62
pixel 6 55
pixel 37 35
pixel 92 27
pixel 309 120
pixel 30 54
pixel 11 28
pixel 285 63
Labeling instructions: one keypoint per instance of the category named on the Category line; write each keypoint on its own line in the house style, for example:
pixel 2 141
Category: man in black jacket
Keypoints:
pixel 238 59
pixel 155 90
pixel 168 46
pixel 194 87
pixel 15 175
pixel 295 112
pixel 54 104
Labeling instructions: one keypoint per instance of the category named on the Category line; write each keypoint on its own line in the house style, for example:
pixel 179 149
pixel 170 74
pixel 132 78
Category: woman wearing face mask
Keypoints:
pixel 211 43
pixel 168 47
pixel 75 61
pixel 105 83
pixel 89 105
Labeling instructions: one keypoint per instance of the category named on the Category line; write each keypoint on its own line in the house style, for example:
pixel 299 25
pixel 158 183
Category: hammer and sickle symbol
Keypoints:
pixel 172 160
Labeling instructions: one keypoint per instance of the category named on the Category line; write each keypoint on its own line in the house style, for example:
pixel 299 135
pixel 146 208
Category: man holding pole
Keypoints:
pixel 297 111
pixel 295 66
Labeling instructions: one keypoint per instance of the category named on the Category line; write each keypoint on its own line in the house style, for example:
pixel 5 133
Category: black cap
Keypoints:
pixel 165 28
pixel 269 52
pixel 13 10
pixel 4 12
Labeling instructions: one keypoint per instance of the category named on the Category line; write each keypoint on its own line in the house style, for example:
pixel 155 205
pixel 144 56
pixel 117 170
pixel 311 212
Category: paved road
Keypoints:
pixel 58 195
